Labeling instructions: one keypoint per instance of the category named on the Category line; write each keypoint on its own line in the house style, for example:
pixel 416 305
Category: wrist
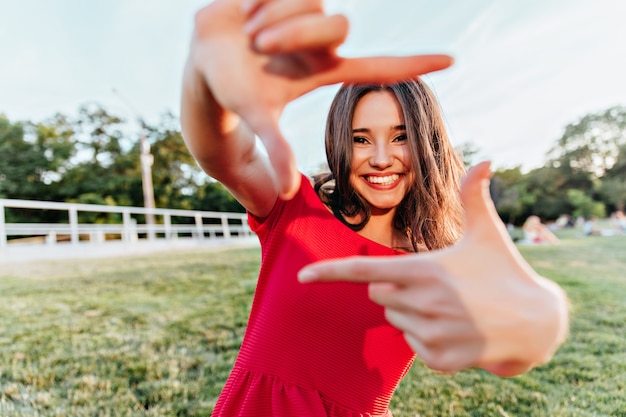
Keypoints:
pixel 547 322
pixel 555 323
pixel 533 334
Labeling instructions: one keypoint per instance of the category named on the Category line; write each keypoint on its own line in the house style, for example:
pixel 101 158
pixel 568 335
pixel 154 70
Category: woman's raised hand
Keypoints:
pixel 254 57
pixel 475 304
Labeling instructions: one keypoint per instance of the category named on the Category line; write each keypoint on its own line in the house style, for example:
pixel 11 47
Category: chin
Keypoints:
pixel 384 207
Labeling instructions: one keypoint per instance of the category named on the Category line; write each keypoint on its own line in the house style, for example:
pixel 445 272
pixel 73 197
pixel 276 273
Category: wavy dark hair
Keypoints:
pixel 430 214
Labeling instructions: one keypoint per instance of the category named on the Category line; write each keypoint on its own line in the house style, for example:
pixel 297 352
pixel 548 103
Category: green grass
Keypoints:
pixel 157 336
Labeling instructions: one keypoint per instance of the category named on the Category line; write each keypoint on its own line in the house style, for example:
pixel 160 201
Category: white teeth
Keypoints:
pixel 383 180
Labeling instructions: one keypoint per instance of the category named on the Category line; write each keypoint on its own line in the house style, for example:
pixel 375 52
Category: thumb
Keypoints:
pixel 280 154
pixel 483 227
pixel 480 210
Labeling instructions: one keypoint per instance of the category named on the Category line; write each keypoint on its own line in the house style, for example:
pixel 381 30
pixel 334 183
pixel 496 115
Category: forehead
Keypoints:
pixel 376 108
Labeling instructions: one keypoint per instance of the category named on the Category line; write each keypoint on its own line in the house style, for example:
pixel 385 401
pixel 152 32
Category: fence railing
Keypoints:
pixel 122 223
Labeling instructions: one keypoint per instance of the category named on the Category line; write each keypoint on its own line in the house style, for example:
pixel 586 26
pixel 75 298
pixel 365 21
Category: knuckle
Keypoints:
pixel 361 269
pixel 204 14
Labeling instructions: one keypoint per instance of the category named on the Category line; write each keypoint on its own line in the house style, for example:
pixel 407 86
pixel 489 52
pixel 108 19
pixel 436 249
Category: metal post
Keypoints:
pixel 3 230
pixel 147 159
pixel 146 180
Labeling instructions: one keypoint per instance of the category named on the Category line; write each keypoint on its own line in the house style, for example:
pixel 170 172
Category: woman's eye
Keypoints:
pixel 400 138
pixel 359 139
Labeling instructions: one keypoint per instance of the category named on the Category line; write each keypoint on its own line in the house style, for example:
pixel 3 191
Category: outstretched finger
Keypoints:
pixel 475 194
pixel 401 270
pixel 384 69
pixel 481 217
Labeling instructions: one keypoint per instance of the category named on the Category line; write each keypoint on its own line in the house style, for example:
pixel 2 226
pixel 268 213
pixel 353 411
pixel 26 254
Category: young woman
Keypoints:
pixel 396 176
pixel 323 349
pixel 327 349
pixel 537 232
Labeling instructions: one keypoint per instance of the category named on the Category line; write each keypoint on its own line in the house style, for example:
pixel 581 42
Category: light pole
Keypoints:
pixel 146 160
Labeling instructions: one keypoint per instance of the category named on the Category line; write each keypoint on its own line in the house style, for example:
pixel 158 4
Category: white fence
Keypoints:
pixel 123 224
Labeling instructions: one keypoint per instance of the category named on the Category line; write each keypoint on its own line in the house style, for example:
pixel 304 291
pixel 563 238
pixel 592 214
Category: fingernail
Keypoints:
pixel 307 275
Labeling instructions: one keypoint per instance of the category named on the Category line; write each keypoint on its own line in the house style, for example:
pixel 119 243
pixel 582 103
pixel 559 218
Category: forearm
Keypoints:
pixel 217 138
pixel 225 146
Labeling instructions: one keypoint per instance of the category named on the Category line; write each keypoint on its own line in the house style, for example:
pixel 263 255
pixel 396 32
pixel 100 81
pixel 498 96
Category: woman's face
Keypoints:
pixel 381 169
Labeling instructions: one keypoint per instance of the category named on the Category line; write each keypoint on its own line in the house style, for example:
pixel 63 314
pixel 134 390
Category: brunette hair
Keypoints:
pixel 430 214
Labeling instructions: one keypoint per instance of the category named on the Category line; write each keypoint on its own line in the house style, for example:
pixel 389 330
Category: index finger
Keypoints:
pixel 385 69
pixel 400 270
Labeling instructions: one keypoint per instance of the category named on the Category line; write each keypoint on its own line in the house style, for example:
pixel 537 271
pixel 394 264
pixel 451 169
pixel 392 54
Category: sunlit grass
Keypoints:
pixel 157 336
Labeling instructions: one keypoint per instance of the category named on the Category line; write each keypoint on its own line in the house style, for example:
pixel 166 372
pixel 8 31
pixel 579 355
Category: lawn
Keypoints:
pixel 157 335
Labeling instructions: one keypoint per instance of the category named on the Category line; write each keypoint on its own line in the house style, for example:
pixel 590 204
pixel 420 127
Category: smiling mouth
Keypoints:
pixel 386 180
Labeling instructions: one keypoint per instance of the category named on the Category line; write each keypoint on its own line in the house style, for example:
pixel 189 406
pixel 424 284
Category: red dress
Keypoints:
pixel 320 349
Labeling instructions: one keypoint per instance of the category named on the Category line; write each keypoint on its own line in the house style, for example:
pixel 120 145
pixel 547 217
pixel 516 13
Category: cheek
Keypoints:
pixel 411 178
pixel 405 158
pixel 358 159
pixel 354 176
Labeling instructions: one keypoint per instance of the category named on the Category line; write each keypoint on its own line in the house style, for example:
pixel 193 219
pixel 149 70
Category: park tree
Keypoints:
pixel 94 158
pixel 618 170
pixel 547 185
pixel 176 176
pixel 613 183
pixel 509 191
pixel 613 192
pixel 19 172
pixel 212 196
pixel 468 151
pixel 578 164
pixel 55 137
pixel 34 156
pixel 590 146
pixel 584 205
pixel 105 170
pixel 100 134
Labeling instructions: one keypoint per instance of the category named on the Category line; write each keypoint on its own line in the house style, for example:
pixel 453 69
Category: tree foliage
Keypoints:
pixel 510 194
pixel 584 174
pixel 592 144
pixel 94 158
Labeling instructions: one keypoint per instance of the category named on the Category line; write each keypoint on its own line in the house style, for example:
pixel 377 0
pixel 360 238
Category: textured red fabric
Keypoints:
pixel 321 349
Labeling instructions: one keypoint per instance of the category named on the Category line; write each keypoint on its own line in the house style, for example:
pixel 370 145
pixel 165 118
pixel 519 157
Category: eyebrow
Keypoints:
pixel 363 129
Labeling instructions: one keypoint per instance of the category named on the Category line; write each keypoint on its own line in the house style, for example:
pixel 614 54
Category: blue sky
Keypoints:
pixel 524 69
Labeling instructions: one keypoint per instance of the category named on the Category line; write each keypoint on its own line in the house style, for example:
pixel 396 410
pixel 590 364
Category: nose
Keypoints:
pixel 381 156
